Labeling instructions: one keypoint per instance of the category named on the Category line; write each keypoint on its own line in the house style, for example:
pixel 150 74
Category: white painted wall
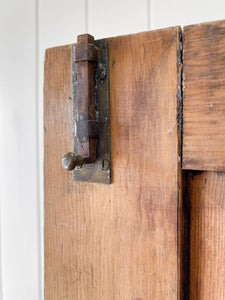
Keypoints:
pixel 27 27
pixel 165 13
pixel 19 191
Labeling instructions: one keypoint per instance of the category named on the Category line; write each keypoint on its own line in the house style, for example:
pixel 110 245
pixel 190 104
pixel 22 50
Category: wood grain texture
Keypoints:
pixel 117 241
pixel 204 97
pixel 205 191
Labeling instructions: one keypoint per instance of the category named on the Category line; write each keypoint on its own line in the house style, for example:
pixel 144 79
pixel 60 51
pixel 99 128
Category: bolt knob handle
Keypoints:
pixel 71 160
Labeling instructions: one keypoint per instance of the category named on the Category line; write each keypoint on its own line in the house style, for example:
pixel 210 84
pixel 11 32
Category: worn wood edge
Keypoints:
pixel 175 28
pixel 182 232
pixel 188 27
pixel 209 168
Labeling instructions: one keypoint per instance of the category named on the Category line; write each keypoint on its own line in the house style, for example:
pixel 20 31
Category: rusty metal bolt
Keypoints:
pixel 70 161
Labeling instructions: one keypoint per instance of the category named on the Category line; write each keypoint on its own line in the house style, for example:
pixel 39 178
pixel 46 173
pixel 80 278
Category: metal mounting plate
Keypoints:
pixel 99 171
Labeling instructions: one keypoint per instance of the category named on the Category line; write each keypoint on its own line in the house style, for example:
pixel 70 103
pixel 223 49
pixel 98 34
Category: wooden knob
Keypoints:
pixel 70 161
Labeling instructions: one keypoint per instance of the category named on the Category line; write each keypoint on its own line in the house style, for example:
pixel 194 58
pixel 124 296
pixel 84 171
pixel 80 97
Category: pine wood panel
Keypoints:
pixel 205 194
pixel 204 100
pixel 117 241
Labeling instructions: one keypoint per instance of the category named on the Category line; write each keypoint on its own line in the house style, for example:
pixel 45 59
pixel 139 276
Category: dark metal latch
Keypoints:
pixel 90 158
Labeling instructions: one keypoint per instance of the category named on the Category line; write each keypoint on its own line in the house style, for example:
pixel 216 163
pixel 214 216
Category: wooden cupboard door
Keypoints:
pixel 117 241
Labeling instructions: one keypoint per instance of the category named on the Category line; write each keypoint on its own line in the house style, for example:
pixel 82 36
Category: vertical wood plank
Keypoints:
pixel 117 241
pixel 204 101
pixel 205 192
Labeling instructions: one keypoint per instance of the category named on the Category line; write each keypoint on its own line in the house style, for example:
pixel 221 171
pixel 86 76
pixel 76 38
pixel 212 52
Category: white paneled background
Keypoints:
pixel 27 28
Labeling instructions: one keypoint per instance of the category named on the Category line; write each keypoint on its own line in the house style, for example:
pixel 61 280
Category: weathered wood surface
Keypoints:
pixel 205 192
pixel 117 241
pixel 204 97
